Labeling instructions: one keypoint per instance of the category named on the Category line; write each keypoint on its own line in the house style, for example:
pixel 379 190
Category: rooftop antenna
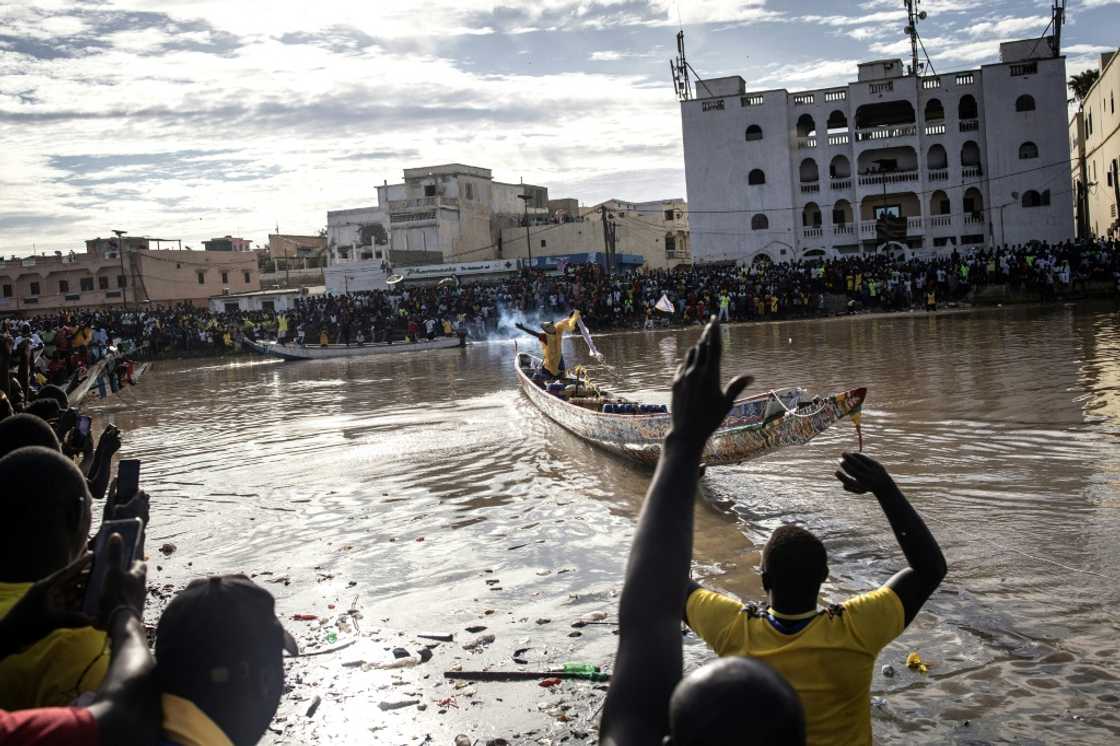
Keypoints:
pixel 1059 18
pixel 913 15
pixel 682 83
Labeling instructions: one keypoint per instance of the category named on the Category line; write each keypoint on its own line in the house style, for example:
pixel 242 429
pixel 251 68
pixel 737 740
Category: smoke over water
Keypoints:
pixel 509 318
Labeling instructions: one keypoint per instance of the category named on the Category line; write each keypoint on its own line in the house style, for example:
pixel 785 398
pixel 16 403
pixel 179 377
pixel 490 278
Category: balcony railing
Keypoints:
pixel 843 229
pixel 886 133
pixel 940 221
pixel 812 231
pixel 938 174
pixel 810 187
pixel 840 138
pixel 914 223
pixel 893 177
pixel 806 142
pixel 932 82
pixel 970 172
pixel 839 184
pixel 408 204
pixel 970 125
pixel 973 219
pixel 867 228
pixel 935 128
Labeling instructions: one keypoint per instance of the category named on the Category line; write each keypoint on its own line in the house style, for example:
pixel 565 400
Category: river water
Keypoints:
pixel 401 486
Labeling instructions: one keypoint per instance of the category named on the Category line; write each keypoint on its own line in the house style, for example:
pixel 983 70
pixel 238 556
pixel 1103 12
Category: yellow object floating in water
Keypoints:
pixel 914 662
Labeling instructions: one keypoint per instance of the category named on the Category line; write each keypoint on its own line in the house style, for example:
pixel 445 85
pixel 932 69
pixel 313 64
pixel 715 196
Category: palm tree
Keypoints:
pixel 1082 82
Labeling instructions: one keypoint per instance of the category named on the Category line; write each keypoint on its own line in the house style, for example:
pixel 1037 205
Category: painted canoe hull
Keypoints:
pixel 756 426
pixel 295 352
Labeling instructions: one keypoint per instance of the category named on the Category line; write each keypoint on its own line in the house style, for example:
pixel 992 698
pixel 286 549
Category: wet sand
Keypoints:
pixel 399 488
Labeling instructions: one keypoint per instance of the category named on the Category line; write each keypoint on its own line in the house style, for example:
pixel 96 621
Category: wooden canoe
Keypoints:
pixel 316 352
pixel 756 426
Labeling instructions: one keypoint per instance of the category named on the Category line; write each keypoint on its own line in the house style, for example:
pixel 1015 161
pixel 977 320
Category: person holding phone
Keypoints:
pixel 45 506
pixel 125 709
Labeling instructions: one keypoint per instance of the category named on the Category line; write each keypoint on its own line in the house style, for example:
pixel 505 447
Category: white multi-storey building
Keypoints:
pixel 925 162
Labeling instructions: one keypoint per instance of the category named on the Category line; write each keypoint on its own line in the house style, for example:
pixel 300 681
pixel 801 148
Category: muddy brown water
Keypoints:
pixel 401 486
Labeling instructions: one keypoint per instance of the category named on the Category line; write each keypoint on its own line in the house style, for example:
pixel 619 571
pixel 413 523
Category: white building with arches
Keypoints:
pixel 929 162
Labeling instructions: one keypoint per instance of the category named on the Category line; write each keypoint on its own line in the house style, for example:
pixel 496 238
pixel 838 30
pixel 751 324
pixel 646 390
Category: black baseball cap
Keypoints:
pixel 220 628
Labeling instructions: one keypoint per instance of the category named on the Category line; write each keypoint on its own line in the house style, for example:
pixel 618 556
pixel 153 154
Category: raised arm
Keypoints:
pixel 649 661
pixel 914 585
pixel 531 332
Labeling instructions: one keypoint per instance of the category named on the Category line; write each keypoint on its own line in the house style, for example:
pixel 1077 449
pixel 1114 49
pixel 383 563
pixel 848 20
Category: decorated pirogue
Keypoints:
pixel 756 426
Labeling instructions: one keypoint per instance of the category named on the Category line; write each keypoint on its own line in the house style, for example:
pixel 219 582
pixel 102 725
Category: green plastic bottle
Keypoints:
pixel 580 668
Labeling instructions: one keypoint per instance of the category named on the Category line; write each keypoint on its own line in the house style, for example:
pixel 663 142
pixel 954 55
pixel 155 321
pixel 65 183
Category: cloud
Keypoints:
pixel 1005 27
pixel 606 56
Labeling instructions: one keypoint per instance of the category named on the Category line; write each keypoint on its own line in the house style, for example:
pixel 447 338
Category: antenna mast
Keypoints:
pixel 682 83
pixel 913 15
pixel 1058 19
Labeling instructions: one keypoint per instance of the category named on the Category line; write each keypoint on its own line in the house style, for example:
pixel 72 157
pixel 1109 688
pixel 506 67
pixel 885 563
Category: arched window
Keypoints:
pixel 1024 103
pixel 840 168
pixel 1031 198
pixel 756 176
pixel 842 212
pixel 837 121
pixel 1027 151
pixel 806 127
pixel 939 203
pixel 973 202
pixel 811 216
pixel 970 154
pixel 760 222
pixel 935 112
pixel 937 157
pixel 754 132
pixel 967 109
pixel 808 171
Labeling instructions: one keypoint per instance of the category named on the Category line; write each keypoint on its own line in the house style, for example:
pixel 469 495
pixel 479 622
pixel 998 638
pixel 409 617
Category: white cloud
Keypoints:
pixel 1030 26
pixel 606 56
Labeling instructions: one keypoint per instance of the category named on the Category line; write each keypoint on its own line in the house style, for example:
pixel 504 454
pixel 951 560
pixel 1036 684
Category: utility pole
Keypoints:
pixel 913 15
pixel 528 245
pixel 120 253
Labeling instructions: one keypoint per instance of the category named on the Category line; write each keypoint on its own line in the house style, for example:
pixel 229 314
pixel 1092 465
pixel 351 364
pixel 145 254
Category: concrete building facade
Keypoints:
pixel 1094 134
pixel 892 160
pixel 228 243
pixel 292 246
pixel 134 277
pixel 655 233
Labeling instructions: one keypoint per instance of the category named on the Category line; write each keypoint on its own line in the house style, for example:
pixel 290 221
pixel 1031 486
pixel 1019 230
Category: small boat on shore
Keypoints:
pixel 756 426
pixel 319 352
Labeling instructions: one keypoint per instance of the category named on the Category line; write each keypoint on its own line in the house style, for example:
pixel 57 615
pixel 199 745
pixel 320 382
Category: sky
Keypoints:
pixel 197 118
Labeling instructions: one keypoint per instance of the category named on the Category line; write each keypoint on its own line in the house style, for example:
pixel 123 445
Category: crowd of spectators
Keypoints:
pixel 760 291
pixel 76 666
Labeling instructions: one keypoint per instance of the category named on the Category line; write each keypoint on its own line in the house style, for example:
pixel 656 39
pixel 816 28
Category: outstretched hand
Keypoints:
pixel 700 404
pixel 861 474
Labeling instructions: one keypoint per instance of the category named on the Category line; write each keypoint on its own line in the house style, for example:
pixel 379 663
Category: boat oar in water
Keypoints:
pixel 525 675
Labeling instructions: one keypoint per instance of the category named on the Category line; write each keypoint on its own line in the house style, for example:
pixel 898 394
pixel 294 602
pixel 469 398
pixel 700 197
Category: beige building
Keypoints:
pixel 290 246
pixel 656 231
pixel 1094 134
pixel 108 276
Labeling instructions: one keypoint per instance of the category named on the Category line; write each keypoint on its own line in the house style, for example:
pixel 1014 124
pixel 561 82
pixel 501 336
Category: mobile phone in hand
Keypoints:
pixel 131 531
pixel 85 422
pixel 128 479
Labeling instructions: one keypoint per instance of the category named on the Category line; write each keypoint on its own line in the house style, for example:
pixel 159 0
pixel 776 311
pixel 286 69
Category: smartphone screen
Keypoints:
pixel 130 531
pixel 128 479
pixel 85 422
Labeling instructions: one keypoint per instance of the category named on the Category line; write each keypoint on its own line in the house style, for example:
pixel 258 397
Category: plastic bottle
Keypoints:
pixel 580 668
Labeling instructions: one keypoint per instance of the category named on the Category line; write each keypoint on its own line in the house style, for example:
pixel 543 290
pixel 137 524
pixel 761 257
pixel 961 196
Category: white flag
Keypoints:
pixel 665 304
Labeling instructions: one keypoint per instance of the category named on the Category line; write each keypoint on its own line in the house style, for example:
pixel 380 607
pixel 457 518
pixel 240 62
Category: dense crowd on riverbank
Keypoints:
pixel 762 291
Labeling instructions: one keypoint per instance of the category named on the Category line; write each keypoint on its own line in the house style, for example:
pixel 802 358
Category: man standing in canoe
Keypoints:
pixel 550 337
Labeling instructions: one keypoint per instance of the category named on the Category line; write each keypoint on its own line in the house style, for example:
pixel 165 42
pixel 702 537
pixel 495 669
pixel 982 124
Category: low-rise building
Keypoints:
pixel 132 276
pixel 279 300
pixel 1094 134
pixel 291 246
pixel 228 243
pixel 653 235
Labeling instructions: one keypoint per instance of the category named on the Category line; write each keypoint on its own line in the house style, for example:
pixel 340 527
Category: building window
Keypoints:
pixel 543 243
pixel 1031 198
pixel 966 108
pixel 668 215
pixel 756 177
pixel 470 190
pixel 429 190
pixel 201 277
pixel 103 283
pixel 64 286
pixel 86 284
pixel 122 281
pixel 7 291
pixel 760 222
pixel 1027 151
pixel 34 288
pixel 248 277
pixel 225 278
pixel 754 132
pixel 1046 198
pixel 1024 103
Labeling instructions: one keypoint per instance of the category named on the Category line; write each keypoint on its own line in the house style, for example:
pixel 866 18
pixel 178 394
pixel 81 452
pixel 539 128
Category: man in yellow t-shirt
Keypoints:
pixel 46 504
pixel 551 337
pixel 828 656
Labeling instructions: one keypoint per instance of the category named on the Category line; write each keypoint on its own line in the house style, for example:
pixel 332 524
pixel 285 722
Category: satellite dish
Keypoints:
pixel 922 16
pixel 393 279
pixel 446 282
